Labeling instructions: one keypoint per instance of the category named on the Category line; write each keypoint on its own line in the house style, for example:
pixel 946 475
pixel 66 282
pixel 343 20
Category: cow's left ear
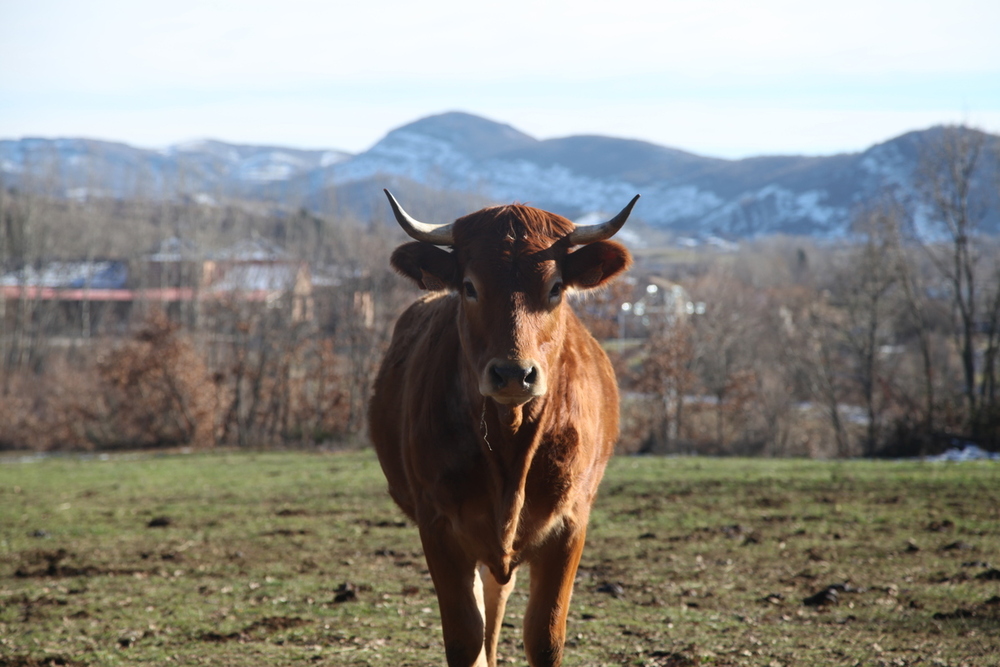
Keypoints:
pixel 595 264
pixel 427 265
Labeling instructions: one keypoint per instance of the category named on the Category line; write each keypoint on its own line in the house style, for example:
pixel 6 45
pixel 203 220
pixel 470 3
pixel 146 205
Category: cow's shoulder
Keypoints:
pixel 423 322
pixel 431 310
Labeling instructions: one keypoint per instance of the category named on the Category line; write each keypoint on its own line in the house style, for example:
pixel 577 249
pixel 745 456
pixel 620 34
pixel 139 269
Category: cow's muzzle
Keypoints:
pixel 512 381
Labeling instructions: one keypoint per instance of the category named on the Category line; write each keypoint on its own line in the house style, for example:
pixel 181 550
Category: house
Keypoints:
pixel 656 301
pixel 84 298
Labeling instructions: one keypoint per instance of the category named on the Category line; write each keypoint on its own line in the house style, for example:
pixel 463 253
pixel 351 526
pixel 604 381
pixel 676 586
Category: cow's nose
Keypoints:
pixel 520 375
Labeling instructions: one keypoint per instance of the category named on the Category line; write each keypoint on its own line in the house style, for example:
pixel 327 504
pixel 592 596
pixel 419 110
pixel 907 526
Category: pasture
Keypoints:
pixel 301 559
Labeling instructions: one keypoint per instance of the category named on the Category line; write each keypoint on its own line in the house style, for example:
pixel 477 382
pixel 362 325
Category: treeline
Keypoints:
pixel 885 344
pixel 212 368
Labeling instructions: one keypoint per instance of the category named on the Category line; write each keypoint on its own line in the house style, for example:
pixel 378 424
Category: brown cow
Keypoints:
pixel 494 414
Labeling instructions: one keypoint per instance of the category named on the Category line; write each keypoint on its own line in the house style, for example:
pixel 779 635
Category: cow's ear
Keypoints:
pixel 427 265
pixel 595 264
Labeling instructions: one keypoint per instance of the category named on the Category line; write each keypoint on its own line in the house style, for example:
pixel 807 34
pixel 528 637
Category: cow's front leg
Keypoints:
pixel 495 595
pixel 455 579
pixel 553 569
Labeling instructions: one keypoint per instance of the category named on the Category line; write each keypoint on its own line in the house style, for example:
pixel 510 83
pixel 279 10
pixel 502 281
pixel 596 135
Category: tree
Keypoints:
pixel 947 177
pixel 665 373
pixel 820 361
pixel 868 286
pixel 989 393
pixel 734 355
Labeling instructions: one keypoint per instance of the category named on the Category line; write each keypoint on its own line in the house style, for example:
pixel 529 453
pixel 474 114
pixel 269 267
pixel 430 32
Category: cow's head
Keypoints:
pixel 511 266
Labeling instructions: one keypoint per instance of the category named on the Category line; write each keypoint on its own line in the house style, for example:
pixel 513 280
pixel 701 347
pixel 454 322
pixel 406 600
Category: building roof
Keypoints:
pixel 70 275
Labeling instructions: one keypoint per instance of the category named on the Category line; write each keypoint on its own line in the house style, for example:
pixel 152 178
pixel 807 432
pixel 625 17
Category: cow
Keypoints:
pixel 494 413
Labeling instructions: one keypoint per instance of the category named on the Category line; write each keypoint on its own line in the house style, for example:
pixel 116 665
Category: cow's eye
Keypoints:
pixel 470 289
pixel 556 291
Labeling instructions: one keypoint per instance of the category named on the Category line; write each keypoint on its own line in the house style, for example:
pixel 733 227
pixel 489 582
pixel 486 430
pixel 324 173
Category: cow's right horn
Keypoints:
pixel 421 231
pixel 590 233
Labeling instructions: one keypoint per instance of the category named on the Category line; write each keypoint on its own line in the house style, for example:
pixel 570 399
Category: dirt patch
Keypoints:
pixel 291 512
pixel 990 609
pixel 381 523
pixel 672 659
pixel 830 595
pixel 256 630
pixel 275 624
pixel 32 661
pixel 51 564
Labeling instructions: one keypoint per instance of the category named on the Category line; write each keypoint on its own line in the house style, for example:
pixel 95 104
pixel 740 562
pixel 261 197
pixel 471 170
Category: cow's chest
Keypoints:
pixel 493 505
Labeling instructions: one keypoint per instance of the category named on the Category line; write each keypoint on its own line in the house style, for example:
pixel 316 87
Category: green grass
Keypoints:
pixel 292 558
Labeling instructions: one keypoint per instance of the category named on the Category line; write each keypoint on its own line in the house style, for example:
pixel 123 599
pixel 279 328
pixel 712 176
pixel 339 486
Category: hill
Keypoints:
pixel 469 158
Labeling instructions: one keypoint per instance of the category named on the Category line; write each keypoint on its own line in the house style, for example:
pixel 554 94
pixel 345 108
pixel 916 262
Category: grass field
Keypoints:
pixel 301 559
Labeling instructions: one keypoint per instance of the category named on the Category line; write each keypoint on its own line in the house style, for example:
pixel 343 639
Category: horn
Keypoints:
pixel 605 230
pixel 421 231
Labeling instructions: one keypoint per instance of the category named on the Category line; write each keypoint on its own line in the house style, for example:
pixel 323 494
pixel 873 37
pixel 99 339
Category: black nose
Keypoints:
pixel 506 374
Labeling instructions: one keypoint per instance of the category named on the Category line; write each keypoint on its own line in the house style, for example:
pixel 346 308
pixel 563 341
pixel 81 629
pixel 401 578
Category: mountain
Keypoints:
pixel 204 170
pixel 681 192
pixel 468 159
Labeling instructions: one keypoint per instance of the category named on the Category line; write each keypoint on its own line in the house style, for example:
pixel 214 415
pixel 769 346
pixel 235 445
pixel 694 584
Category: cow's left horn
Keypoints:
pixel 591 233
pixel 421 231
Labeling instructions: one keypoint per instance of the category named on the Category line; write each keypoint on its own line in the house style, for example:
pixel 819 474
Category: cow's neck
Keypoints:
pixel 510 433
pixel 510 438
pixel 511 417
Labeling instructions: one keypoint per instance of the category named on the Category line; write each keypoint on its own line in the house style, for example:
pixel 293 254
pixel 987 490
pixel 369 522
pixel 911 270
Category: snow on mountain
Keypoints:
pixel 773 209
pixel 332 157
pixel 419 157
pixel 271 166
pixel 694 196
pixel 686 193
pixel 200 168
pixel 433 160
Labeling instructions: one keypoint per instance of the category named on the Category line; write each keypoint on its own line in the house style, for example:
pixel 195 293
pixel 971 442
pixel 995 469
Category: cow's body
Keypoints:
pixel 494 414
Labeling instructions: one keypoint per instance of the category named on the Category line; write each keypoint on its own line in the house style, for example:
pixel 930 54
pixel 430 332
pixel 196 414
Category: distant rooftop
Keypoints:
pixel 70 275
pixel 255 249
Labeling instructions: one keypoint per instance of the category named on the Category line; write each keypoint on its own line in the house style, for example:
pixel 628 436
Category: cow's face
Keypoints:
pixel 512 267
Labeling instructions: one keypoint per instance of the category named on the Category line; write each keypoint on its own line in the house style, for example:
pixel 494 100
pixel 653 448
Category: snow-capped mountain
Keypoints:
pixel 201 170
pixel 683 192
pixel 470 158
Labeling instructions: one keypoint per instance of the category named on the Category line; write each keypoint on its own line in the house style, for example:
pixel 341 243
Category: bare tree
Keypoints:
pixel 946 177
pixel 989 393
pixel 665 373
pixel 868 286
pixel 823 371
pixel 23 251
pixel 728 341
pixel 915 302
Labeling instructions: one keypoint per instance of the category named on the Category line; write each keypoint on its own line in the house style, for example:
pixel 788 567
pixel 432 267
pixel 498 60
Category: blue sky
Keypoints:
pixel 717 77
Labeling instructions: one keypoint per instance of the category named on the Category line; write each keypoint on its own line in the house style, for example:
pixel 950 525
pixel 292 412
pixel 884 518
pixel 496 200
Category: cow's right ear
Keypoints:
pixel 427 265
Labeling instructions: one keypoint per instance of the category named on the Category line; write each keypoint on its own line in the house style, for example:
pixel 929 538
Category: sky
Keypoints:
pixel 724 78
